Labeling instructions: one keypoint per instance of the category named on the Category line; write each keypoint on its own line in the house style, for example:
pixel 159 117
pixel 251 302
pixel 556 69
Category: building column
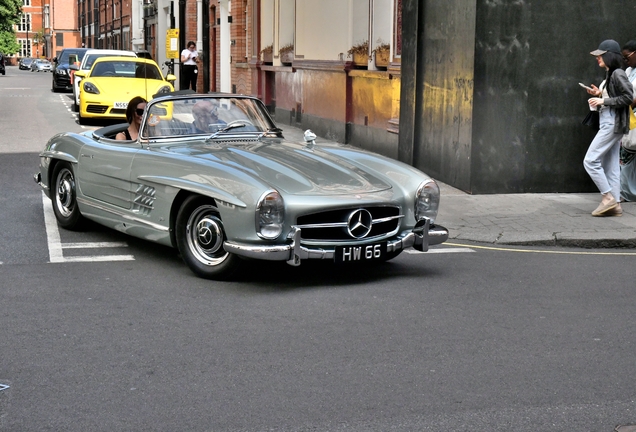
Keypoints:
pixel 224 48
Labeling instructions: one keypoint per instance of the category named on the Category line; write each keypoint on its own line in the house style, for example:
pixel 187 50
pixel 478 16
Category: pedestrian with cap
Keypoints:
pixel 612 99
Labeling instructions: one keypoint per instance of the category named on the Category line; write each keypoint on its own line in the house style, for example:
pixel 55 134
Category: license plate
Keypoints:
pixel 122 105
pixel 370 252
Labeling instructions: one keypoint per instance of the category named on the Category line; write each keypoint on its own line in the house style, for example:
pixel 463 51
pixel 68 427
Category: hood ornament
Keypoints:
pixel 310 139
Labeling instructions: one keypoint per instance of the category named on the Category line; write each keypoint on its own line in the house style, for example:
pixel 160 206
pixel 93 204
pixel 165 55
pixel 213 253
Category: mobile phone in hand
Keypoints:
pixel 586 87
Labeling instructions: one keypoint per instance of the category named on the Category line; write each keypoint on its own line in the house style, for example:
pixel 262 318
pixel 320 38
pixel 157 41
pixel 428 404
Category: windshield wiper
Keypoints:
pixel 225 129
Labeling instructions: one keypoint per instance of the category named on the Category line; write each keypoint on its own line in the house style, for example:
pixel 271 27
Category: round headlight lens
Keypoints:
pixel 164 89
pixel 427 200
pixel 270 215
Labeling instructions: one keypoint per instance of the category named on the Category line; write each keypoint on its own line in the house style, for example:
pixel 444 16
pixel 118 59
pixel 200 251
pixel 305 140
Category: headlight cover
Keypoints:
pixel 427 200
pixel 90 88
pixel 164 89
pixel 60 71
pixel 270 215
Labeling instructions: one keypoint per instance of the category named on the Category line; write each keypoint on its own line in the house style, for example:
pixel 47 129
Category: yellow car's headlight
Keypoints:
pixel 90 88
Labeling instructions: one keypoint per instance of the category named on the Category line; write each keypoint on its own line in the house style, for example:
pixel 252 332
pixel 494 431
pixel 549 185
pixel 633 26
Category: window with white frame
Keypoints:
pixel 26 2
pixel 25 47
pixel 25 23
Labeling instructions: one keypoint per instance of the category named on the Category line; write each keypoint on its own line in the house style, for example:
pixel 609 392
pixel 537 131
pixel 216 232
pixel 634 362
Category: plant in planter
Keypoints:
pixel 360 54
pixel 286 54
pixel 381 54
pixel 267 54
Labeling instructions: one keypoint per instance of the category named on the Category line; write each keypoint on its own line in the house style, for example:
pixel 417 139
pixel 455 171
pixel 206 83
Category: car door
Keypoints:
pixel 104 172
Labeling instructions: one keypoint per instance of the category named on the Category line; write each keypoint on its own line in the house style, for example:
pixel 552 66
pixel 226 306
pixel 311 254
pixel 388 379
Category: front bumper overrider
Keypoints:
pixel 423 235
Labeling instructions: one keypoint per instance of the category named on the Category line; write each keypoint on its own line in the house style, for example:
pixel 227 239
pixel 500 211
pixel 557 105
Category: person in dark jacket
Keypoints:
pixel 613 100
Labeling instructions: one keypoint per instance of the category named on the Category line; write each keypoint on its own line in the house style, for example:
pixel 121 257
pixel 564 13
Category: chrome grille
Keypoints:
pixel 335 225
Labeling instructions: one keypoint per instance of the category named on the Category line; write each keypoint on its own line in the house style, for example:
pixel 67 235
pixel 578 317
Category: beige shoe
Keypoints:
pixel 616 211
pixel 603 208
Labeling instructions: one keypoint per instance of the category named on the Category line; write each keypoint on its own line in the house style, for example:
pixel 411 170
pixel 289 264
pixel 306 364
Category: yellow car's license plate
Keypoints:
pixel 121 105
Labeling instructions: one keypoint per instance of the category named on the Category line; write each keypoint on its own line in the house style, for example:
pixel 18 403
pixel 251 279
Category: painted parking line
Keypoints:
pixel 56 247
pixel 440 250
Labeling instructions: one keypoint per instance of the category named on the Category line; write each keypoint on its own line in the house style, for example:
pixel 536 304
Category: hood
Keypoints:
pixel 289 167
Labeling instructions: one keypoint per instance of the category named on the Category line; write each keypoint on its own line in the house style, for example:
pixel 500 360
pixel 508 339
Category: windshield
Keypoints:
pixel 64 57
pixel 205 116
pixel 90 59
pixel 126 69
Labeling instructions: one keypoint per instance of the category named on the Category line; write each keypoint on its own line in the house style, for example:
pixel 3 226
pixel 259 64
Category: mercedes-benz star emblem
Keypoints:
pixel 205 236
pixel 360 223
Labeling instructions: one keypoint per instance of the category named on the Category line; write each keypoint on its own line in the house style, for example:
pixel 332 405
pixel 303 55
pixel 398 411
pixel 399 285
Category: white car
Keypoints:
pixel 86 65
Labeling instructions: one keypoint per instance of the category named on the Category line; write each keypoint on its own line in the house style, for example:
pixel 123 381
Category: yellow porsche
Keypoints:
pixel 113 81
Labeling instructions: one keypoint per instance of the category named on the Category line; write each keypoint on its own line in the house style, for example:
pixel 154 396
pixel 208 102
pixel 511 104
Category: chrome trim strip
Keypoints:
pixel 294 253
pixel 122 215
pixel 344 224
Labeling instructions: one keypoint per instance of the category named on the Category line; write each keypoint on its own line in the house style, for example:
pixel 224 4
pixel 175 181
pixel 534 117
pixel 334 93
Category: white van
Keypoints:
pixel 87 63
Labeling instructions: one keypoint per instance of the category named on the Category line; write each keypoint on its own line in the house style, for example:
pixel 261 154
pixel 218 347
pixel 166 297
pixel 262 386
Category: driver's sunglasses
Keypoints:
pixel 139 111
pixel 629 55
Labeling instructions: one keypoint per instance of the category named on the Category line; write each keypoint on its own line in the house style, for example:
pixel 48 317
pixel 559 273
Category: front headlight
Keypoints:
pixel 270 215
pixel 164 89
pixel 427 201
pixel 60 71
pixel 90 88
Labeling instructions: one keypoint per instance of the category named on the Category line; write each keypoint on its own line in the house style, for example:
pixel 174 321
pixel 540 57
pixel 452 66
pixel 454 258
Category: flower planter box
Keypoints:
pixel 268 58
pixel 360 60
pixel 381 59
pixel 287 58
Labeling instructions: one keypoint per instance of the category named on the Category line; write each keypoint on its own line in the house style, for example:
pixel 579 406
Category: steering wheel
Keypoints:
pixel 108 73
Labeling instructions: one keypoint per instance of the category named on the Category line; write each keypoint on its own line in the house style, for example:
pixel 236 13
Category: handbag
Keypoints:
pixel 591 120
pixel 629 140
pixel 632 120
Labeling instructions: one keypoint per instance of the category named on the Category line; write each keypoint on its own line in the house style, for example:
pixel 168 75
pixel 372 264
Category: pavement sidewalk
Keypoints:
pixel 526 219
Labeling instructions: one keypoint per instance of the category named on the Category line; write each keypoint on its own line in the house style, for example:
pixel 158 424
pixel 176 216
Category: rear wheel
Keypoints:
pixel 64 197
pixel 200 236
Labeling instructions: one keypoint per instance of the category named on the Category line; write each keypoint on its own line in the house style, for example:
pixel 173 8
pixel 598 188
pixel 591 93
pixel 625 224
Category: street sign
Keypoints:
pixel 172 43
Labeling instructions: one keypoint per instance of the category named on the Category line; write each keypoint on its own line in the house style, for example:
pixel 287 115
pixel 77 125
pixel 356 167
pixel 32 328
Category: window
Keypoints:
pixel 26 2
pixel 25 23
pixel 25 48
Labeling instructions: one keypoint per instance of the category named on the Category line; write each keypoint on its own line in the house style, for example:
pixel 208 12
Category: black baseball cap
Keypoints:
pixel 609 45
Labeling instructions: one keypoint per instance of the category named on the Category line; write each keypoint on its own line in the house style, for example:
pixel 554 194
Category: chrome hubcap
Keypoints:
pixel 205 236
pixel 64 195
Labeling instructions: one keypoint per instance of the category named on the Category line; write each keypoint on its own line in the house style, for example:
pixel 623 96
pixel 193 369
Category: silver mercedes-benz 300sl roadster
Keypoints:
pixel 213 176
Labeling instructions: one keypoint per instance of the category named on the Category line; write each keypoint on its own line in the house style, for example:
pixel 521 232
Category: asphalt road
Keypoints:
pixel 463 338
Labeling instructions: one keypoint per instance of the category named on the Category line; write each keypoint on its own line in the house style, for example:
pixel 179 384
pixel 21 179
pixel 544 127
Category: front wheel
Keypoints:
pixel 200 236
pixel 64 197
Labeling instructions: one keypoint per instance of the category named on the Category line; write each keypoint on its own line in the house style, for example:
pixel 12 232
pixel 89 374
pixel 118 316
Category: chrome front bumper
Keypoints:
pixel 422 236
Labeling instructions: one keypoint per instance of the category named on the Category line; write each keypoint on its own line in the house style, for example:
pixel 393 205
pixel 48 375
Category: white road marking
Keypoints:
pixel 440 250
pixel 56 246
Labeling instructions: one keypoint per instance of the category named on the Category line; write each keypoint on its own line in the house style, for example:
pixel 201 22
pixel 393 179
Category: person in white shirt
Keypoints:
pixel 190 60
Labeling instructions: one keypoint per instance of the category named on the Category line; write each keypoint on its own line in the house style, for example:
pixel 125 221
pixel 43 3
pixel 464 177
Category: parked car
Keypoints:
pixel 112 81
pixel 61 78
pixel 2 66
pixel 87 63
pixel 25 63
pixel 40 65
pixel 212 176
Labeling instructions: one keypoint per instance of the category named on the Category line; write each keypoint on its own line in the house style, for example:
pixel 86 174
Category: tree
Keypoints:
pixel 8 43
pixel 10 11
